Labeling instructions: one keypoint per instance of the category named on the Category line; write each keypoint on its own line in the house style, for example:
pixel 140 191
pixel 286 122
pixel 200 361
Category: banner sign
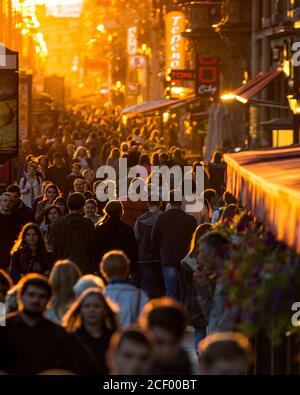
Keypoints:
pixel 183 75
pixel 207 76
pixel 175 44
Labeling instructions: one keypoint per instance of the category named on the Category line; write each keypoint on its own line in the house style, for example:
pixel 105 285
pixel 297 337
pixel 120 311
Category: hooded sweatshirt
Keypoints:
pixel 142 231
pixel 72 237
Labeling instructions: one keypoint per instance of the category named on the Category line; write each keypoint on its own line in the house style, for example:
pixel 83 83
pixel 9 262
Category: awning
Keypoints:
pixel 283 123
pixel 156 106
pixel 256 85
pixel 268 183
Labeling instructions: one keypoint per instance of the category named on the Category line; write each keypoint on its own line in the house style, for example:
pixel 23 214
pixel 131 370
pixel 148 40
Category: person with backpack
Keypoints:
pixel 30 185
pixel 131 300
pixel 149 267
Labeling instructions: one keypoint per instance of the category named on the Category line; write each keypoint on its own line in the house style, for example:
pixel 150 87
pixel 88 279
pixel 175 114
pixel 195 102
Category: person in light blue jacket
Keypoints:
pixel 114 267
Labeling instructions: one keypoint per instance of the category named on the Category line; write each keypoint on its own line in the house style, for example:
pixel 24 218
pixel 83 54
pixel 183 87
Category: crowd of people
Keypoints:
pixel 96 287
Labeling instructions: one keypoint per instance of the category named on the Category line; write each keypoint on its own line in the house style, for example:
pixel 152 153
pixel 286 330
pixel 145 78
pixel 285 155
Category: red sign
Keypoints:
pixel 180 75
pixel 207 76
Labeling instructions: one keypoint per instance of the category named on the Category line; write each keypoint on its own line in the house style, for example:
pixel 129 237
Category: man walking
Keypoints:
pixel 72 236
pixel 171 237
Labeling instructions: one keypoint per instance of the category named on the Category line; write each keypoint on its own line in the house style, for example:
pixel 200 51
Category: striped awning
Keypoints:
pixel 268 183
pixel 245 92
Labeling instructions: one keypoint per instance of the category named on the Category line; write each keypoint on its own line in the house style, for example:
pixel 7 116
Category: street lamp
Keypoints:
pixel 294 103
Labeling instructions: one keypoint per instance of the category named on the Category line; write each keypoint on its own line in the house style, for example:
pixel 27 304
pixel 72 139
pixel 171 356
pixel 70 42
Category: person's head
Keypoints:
pixel 79 185
pixel 51 193
pixel 89 175
pixel 62 279
pixel 130 352
pixel 213 249
pixel 229 213
pixel 200 231
pixel 43 162
pixel 60 202
pixel 225 353
pixel 144 160
pixel 31 169
pixel 124 147
pixel 5 284
pixel 114 209
pixel 29 238
pixel 91 308
pixel 58 159
pixel 90 207
pixel 76 168
pixel 56 144
pixel 14 190
pixel 115 266
pixel 70 149
pixel 211 196
pixel 155 159
pixel 86 282
pixel 52 213
pixel 166 320
pixel 81 152
pixel 115 153
pixel 76 202
pixel 217 157
pixel 34 294
pixel 228 198
pixel 175 198
pixel 44 186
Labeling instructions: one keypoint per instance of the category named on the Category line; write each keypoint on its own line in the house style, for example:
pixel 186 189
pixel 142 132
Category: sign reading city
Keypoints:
pixel 183 75
pixel 132 43
pixel 207 76
pixel 175 25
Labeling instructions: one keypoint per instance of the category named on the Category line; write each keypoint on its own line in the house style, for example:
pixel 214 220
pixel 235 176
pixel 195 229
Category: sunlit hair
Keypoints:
pixel 114 153
pixel 225 345
pixel 47 212
pixel 112 209
pixel 88 281
pixel 81 148
pixel 20 243
pixel 133 334
pixel 49 186
pixel 63 276
pixel 73 319
pixel 201 230
pixel 166 313
pixel 115 264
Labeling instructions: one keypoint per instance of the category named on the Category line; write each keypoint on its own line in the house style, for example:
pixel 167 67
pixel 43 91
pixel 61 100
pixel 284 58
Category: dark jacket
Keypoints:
pixel 88 353
pixel 113 234
pixel 58 176
pixel 24 213
pixel 171 236
pixel 22 262
pixel 72 237
pixel 30 350
pixel 132 210
pixel 142 231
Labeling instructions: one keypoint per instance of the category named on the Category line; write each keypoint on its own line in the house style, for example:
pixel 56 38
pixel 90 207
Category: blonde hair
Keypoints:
pixel 115 264
pixel 72 319
pixel 62 279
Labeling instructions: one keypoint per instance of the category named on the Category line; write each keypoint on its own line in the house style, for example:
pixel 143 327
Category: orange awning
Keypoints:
pixel 256 85
pixel 268 183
